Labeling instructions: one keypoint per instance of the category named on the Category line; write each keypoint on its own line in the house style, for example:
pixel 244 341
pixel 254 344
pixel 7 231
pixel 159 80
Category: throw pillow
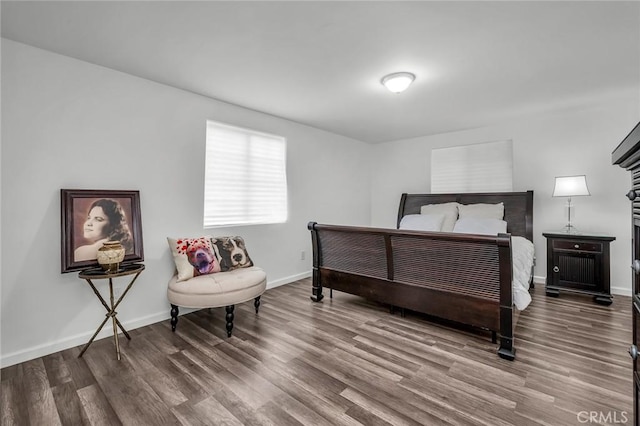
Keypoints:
pixel 491 211
pixel 422 222
pixel 194 256
pixel 232 253
pixel 480 225
pixel 449 210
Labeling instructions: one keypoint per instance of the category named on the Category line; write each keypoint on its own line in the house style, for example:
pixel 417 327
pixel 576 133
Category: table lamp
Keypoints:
pixel 570 186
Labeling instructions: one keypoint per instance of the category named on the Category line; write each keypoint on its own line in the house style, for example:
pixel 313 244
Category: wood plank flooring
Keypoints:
pixel 345 361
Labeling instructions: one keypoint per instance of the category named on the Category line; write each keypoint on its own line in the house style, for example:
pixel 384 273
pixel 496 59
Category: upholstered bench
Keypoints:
pixel 216 290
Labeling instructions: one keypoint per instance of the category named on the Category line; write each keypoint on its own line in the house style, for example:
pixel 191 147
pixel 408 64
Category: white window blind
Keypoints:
pixel 245 177
pixel 484 167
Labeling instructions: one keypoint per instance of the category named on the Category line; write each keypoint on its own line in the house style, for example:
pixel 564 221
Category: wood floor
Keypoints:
pixel 343 361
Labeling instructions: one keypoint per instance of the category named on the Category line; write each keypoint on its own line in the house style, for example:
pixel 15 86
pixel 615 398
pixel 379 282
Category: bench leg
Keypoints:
pixel 256 303
pixel 229 318
pixel 174 317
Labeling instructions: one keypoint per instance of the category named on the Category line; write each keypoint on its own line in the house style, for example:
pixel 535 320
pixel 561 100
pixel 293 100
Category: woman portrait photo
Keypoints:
pixel 103 219
pixel 91 217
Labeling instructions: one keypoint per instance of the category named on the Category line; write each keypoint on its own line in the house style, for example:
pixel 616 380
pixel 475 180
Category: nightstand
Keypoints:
pixel 578 263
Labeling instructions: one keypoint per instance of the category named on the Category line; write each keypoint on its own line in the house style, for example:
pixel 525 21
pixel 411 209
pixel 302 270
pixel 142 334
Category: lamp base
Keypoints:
pixel 569 229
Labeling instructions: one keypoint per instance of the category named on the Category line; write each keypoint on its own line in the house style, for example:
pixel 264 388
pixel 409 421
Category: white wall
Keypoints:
pixel 71 124
pixel 572 142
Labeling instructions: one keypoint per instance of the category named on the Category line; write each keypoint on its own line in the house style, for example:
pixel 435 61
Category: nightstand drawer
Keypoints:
pixel 577 245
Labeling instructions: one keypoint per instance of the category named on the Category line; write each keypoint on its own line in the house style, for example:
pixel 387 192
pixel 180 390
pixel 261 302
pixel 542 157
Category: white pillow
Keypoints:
pixel 480 225
pixel 493 211
pixel 422 222
pixel 449 210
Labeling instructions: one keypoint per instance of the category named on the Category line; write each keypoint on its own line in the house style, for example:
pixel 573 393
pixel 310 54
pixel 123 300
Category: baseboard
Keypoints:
pixel 620 291
pixel 539 280
pixel 82 338
pixel 77 340
pixel 287 280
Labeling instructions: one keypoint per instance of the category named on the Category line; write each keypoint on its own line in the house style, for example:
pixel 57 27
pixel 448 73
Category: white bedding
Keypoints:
pixel 521 248
pixel 522 253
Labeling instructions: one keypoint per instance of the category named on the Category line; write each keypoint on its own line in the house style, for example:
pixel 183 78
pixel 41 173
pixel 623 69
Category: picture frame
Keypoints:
pixel 90 217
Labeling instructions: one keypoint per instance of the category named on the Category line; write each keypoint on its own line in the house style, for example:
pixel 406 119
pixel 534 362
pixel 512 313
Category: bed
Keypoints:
pixel 461 277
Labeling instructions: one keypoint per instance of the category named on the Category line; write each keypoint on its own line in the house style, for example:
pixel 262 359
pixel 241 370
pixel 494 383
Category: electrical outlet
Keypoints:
pixel 303 255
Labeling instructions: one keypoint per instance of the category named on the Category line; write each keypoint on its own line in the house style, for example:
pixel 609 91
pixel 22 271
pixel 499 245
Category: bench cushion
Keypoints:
pixel 220 289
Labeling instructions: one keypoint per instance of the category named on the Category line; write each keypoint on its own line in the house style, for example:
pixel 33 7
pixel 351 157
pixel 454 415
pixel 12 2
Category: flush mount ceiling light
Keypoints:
pixel 398 81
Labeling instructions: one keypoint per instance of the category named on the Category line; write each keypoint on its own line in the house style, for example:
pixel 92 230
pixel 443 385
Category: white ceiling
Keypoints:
pixel 320 63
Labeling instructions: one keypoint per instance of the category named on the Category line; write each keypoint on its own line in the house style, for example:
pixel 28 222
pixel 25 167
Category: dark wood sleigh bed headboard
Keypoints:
pixel 518 207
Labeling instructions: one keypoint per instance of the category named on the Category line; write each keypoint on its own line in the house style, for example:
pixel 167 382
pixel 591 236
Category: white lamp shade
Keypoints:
pixel 571 186
pixel 398 82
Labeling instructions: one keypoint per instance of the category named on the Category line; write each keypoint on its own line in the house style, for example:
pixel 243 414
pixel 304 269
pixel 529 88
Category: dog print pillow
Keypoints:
pixel 194 256
pixel 232 253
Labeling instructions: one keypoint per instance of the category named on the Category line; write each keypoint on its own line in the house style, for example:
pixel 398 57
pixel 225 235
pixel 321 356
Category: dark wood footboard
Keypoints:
pixel 458 277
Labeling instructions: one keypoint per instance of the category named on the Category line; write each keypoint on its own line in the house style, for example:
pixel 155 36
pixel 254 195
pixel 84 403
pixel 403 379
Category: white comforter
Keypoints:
pixel 522 254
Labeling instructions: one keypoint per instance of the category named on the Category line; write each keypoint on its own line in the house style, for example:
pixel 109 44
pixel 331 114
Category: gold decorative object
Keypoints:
pixel 110 255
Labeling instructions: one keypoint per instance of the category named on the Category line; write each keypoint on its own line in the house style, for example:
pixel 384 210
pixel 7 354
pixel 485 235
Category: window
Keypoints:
pixel 484 167
pixel 245 177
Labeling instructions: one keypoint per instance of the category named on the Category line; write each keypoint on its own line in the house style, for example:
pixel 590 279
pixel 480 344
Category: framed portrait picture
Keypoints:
pixel 91 217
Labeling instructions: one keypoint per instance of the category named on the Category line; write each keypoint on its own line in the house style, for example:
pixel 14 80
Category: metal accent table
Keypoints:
pixel 99 274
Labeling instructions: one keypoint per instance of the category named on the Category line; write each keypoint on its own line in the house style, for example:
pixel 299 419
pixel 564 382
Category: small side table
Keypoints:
pixel 579 263
pixel 99 274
